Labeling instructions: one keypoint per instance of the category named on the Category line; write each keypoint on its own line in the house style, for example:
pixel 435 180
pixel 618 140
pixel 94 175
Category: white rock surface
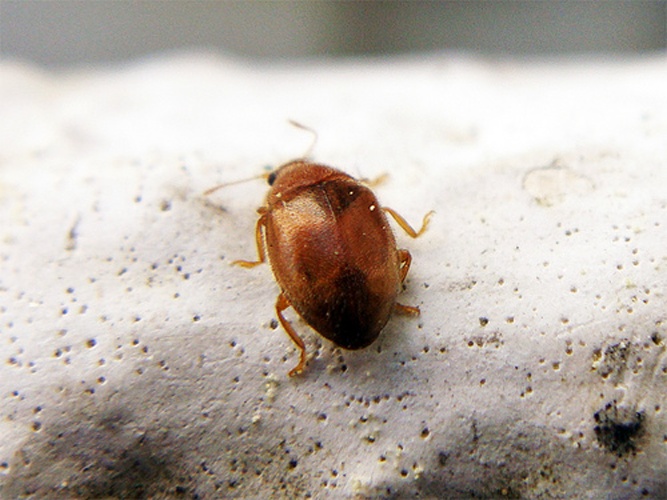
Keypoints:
pixel 136 362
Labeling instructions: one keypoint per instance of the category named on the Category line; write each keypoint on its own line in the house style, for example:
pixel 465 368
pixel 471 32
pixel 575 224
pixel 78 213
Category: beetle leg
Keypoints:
pixel 407 227
pixel 375 181
pixel 406 310
pixel 281 304
pixel 259 240
pixel 404 261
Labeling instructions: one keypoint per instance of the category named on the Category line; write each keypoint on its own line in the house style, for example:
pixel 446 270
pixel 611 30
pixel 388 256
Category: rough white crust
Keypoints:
pixel 135 361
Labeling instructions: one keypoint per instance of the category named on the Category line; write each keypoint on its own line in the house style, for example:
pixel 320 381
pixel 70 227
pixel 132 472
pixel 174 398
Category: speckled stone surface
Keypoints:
pixel 136 362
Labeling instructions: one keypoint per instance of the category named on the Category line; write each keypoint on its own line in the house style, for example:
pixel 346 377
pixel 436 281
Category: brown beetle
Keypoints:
pixel 332 253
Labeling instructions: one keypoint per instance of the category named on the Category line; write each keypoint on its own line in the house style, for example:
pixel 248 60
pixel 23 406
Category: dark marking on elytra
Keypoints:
pixel 340 196
pixel 348 311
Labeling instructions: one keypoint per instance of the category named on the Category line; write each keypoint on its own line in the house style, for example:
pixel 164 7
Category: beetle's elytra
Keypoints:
pixel 332 253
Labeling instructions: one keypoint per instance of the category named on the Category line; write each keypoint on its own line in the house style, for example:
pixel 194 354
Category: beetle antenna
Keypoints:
pixel 266 175
pixel 307 129
pixel 233 183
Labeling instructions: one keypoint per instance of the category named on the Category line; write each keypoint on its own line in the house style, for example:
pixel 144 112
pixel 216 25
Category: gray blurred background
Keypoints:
pixel 66 33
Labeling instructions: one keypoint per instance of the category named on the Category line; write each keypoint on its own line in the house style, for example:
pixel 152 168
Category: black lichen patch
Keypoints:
pixel 618 429
pixel 105 456
pixel 615 360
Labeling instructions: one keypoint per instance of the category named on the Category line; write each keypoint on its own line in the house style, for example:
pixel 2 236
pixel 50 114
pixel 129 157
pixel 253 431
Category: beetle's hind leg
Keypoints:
pixel 404 260
pixel 281 304
pixel 259 241
pixel 406 310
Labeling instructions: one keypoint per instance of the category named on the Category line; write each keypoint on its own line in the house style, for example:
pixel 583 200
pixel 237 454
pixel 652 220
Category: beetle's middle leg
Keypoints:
pixel 406 226
pixel 259 241
pixel 281 304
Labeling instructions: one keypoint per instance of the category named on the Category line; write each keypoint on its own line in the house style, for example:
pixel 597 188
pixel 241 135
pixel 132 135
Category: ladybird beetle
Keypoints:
pixel 332 253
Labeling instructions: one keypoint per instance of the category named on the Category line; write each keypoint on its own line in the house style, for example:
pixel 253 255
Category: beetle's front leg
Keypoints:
pixel 259 241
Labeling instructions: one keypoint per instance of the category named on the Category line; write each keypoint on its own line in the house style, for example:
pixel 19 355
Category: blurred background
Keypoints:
pixel 65 33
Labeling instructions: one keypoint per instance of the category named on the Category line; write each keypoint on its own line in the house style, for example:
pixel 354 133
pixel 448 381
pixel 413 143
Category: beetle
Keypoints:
pixel 332 253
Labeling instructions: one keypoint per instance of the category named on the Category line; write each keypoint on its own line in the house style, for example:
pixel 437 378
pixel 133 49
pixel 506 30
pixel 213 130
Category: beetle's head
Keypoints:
pixel 286 173
pixel 296 175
